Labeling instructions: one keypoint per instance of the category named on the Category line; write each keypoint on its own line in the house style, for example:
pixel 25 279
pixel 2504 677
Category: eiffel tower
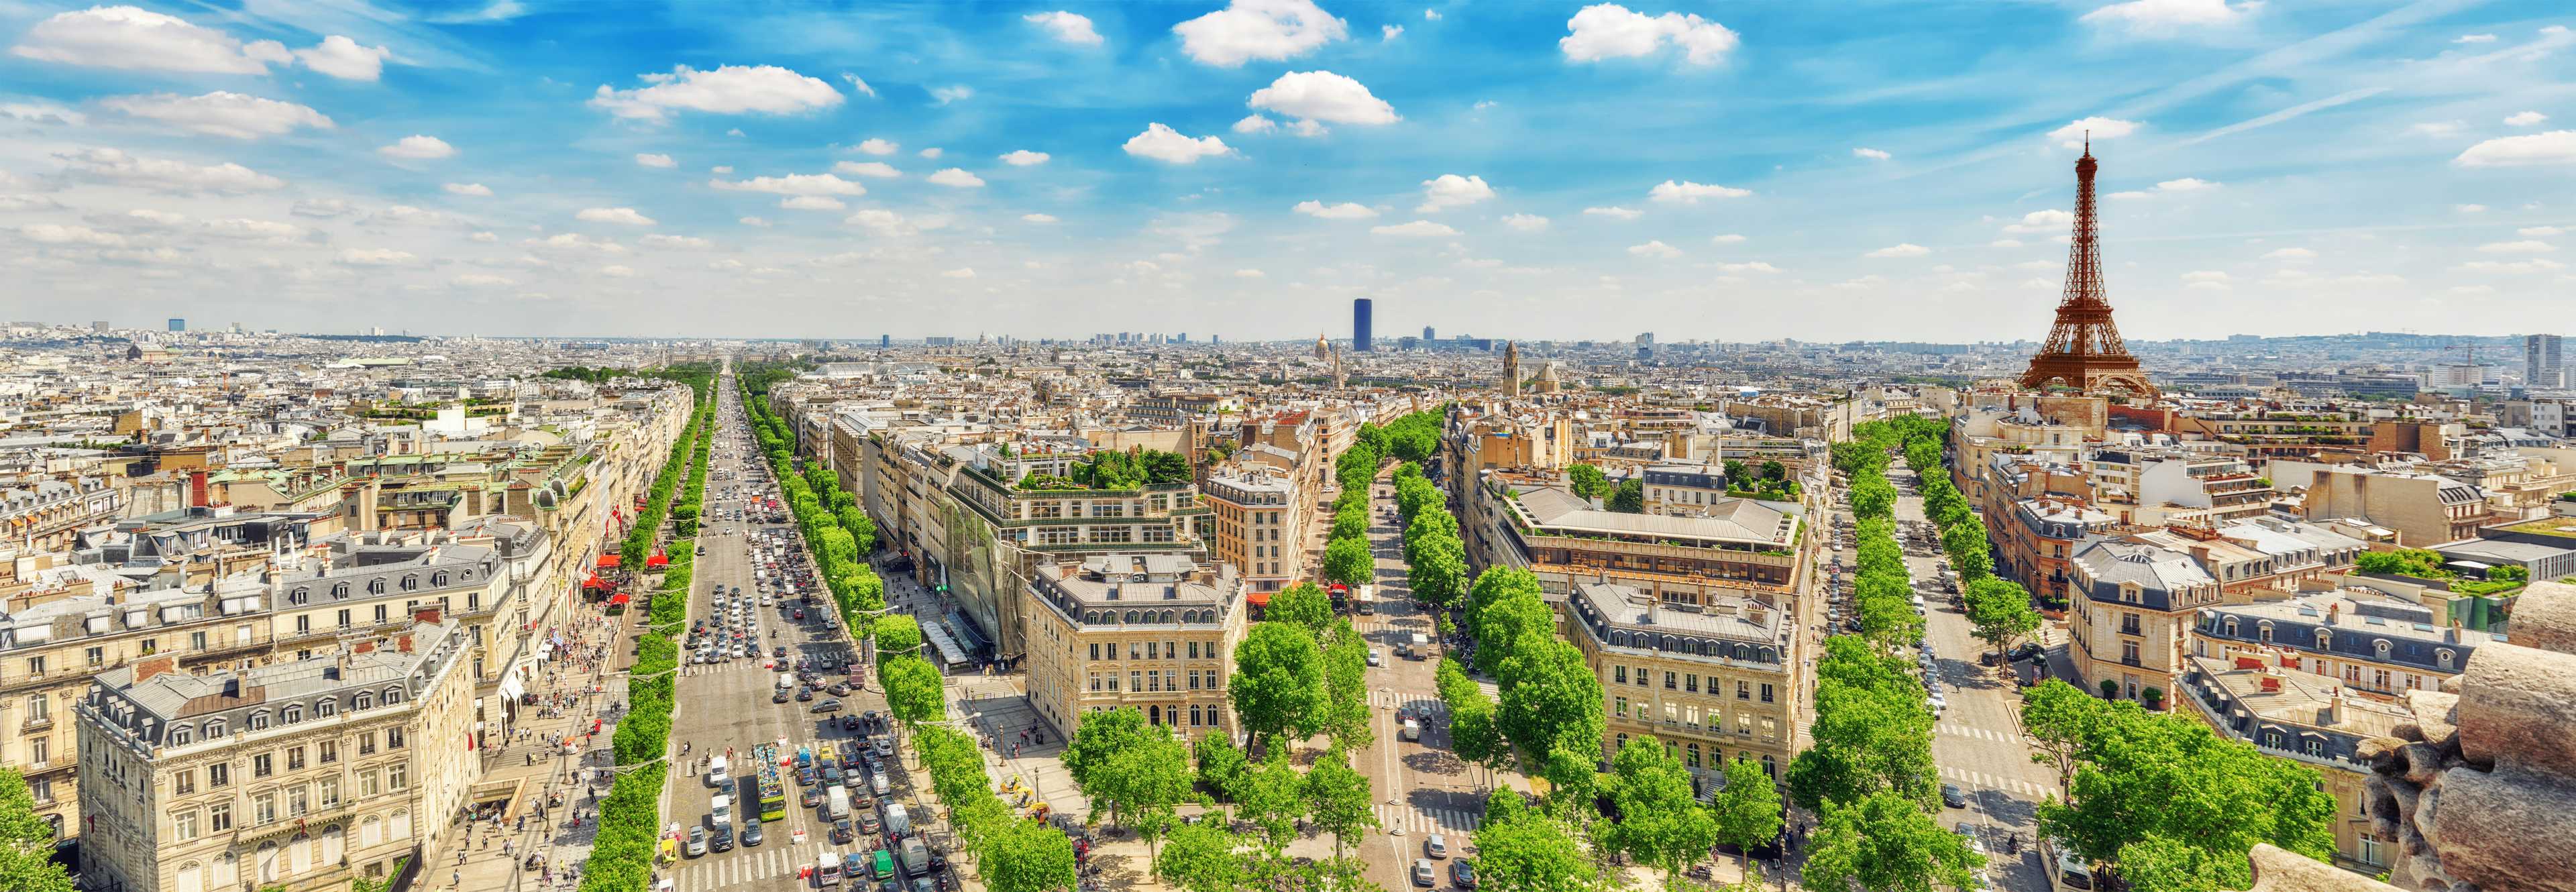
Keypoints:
pixel 2084 350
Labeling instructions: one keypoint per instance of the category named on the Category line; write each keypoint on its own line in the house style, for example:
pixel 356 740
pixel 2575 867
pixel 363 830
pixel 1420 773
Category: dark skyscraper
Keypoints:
pixel 1360 325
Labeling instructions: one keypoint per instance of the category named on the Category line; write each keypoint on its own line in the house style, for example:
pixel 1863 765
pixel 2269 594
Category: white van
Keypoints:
pixel 786 682
pixel 2069 873
pixel 716 776
pixel 720 810
pixel 827 869
pixel 1412 730
pixel 877 782
pixel 837 803
pixel 897 821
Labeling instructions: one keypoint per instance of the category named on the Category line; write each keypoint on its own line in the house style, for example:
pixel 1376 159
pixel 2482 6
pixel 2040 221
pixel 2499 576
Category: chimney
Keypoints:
pixel 427 615
pixel 2334 613
pixel 2249 662
pixel 148 668
pixel 2272 684
pixel 364 647
pixel 404 642
pixel 197 489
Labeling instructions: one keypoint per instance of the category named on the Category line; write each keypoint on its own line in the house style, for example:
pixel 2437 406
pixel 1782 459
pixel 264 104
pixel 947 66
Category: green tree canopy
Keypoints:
pixel 1887 843
pixel 1660 822
pixel 1278 683
pixel 1304 604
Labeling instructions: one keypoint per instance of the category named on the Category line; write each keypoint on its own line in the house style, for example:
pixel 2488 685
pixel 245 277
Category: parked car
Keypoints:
pixel 1462 874
pixel 1436 846
pixel 1422 873
pixel 697 840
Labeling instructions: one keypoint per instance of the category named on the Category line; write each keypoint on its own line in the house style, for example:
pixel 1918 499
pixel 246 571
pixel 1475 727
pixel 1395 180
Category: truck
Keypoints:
pixel 897 822
pixel 916 857
pixel 1364 599
pixel 837 803
pixel 773 794
pixel 716 776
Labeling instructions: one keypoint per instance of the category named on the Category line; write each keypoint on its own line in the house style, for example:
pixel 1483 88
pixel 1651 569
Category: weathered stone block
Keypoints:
pixel 2518 705
pixel 2436 716
pixel 2502 834
pixel 2544 617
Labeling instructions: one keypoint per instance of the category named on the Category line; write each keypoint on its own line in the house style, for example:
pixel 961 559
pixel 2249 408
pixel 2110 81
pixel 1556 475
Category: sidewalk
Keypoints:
pixel 534 766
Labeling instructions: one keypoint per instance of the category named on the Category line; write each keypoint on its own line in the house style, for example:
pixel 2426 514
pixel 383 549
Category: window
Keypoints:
pixel 1618 675
pixel 2443 658
pixel 261 766
pixel 219 817
pixel 1766 693
pixel 294 758
pixel 35 665
pixel 39 709
pixel 330 792
pixel 219 774
pixel 298 801
pixel 263 807
pixel 1620 707
pixel 1744 690
pixel 185 824
pixel 364 700
pixel 1694 755
pixel 340 591
pixel 97 656
pixel 1690 683
pixel 380 608
pixel 303 622
pixel 1672 681
pixel 2313 746
pixel 367 742
pixel 367 782
pixel 326 708
pixel 376 587
pixel 397 776
pixel 292 714
pixel 393 738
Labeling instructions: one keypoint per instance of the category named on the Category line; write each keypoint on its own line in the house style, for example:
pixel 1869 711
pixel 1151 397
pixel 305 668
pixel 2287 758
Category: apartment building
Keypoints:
pixel 1152 631
pixel 297 776
pixel 45 515
pixel 1713 680
pixel 2370 641
pixel 1255 516
pixel 1735 546
pixel 1678 489
pixel 2133 608
pixel 2152 487
pixel 2424 509
pixel 2305 718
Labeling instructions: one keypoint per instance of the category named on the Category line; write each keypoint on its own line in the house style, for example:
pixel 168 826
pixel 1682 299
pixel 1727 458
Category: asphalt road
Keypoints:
pixel 728 704
pixel 1422 788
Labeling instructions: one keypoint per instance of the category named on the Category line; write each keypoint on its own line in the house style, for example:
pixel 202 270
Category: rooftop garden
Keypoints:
pixel 2423 563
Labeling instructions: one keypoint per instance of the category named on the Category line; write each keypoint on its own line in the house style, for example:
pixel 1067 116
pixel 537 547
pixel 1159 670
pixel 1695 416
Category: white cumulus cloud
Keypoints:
pixel 1323 96
pixel 1671 192
pixel 793 184
pixel 2526 246
pixel 1871 154
pixel 1526 222
pixel 617 272
pixel 376 257
pixel 131 38
pixel 1065 26
pixel 2540 231
pixel 1258 29
pixel 418 147
pixel 963 272
pixel 957 178
pixel 1614 212
pixel 874 146
pixel 1343 211
pixel 1415 229
pixel 57 234
pixel 1750 266
pixel 1255 124
pixel 1170 146
pixel 877 169
pixel 1655 248
pixel 1727 239
pixel 2075 132
pixel 1024 158
pixel 650 159
pixel 1450 190
pixel 2166 17
pixel 114 165
pixel 476 190
pixel 1907 249
pixel 620 216
pixel 2045 222
pixel 2525 119
pixel 1611 31
pixel 2289 254
pixel 345 59
pixel 728 90
pixel 1037 218
pixel 220 113
pixel 812 203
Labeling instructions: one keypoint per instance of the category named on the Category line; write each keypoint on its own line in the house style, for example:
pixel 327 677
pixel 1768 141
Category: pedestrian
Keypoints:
pixel 458 877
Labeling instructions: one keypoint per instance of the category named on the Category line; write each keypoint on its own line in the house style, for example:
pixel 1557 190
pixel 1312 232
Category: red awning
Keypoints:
pixel 619 598
pixel 656 562
pixel 594 582
pixel 1258 599
pixel 607 561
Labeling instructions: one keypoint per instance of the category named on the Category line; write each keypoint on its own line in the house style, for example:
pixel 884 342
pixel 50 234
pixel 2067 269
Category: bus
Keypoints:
pixel 773 795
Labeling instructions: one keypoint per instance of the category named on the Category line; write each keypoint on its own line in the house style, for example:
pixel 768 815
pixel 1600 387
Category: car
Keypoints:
pixel 697 841
pixel 1965 828
pixel 751 835
pixel 841 689
pixel 778 697
pixel 813 796
pixel 1436 846
pixel 843 831
pixel 1422 873
pixel 1953 797
pixel 1462 874
pixel 1376 657
pixel 722 839
pixel 849 722
pixel 831 775
pixel 868 822
pixel 881 745
pixel 779 652
pixel 2025 650
pixel 807 695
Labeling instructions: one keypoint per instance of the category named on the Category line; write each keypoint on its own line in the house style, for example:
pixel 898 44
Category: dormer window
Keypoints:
pixel 326 707
pixel 2231 627
pixel 340 591
pixel 410 583
pixel 292 714
pixel 393 696
pixel 299 596
pixel 259 720
pixel 181 735
pixel 2325 639
pixel 375 586
pixel 2380 647
pixel 439 579
pixel 363 700
pixel 214 728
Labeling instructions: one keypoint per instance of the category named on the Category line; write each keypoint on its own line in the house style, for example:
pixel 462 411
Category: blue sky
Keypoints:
pixel 1823 171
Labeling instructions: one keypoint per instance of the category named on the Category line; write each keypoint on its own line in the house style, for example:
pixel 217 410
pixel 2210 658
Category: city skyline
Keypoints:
pixel 2378 166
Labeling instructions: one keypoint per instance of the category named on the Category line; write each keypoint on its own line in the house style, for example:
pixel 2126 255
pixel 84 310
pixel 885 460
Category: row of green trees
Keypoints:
pixel 1998 609
pixel 1869 774
pixel 835 528
pixel 1271 798
pixel 630 824
pixel 26 841
pixel 1434 556
pixel 1010 853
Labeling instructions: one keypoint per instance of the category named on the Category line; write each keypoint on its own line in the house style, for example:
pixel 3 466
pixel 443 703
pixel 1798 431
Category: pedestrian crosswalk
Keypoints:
pixel 744 866
pixel 1418 704
pixel 1418 821
pixel 1978 780
pixel 1957 730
